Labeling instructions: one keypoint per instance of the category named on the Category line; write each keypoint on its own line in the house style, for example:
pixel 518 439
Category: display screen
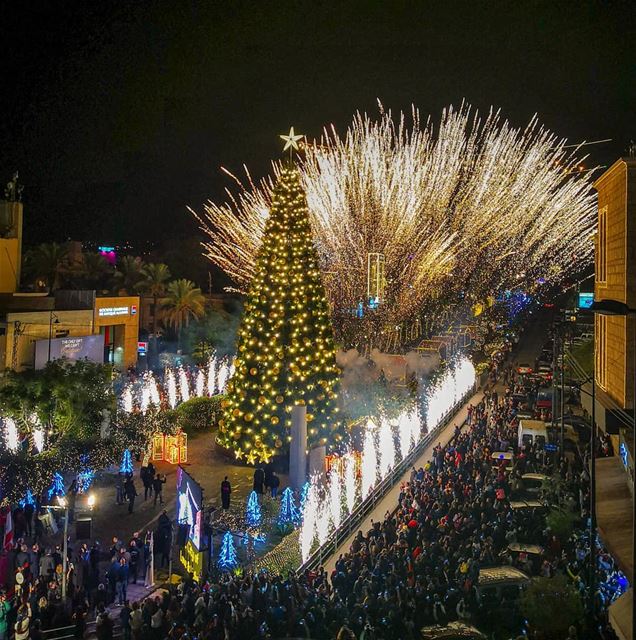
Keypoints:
pixel 71 348
pixel 190 505
pixel 585 300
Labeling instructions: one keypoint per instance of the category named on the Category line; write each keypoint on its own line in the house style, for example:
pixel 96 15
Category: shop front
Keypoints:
pixel 117 320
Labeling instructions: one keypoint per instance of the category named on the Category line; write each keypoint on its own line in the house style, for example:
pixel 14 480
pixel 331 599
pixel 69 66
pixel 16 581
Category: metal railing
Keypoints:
pixel 337 537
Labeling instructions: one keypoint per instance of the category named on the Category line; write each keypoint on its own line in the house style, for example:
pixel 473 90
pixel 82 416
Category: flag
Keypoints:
pixel 8 533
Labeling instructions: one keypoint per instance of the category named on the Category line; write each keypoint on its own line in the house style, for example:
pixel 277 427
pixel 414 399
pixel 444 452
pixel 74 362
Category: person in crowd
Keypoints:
pixel 131 493
pixel 157 485
pixel 226 491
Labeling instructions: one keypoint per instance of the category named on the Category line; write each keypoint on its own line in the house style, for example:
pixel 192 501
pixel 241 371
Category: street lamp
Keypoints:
pixel 51 323
pixel 617 308
pixel 62 503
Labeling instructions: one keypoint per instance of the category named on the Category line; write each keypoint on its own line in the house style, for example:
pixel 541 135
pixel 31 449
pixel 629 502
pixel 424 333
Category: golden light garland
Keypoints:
pixel 459 211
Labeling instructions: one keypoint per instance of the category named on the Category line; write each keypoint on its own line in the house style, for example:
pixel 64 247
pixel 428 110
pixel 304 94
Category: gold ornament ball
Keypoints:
pixel 310 417
pixel 249 417
pixel 262 399
pixel 236 413
pixel 279 399
pixel 253 371
pixel 275 420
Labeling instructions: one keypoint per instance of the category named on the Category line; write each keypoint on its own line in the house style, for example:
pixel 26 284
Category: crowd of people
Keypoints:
pixel 419 566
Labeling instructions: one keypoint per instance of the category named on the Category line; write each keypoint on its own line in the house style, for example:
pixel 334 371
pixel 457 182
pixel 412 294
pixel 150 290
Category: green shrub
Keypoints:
pixel 199 414
pixel 551 605
pixel 561 523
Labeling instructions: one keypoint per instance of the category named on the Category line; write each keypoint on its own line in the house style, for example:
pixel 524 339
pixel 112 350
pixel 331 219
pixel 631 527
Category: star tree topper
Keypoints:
pixel 291 140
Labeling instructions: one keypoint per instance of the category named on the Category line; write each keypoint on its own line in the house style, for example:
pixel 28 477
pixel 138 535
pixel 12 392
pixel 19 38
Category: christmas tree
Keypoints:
pixel 285 352
pixel 227 555
pixel 57 486
pixel 288 513
pixel 126 465
pixel 253 510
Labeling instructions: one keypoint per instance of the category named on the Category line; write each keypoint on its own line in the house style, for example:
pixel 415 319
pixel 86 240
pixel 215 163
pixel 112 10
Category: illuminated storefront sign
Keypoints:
pixel 106 312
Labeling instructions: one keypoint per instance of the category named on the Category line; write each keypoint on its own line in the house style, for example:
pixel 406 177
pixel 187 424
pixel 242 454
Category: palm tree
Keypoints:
pixel 128 274
pixel 155 279
pixel 95 269
pixel 183 301
pixel 48 262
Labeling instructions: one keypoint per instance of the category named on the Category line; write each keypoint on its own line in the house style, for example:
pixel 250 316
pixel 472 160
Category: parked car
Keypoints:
pixel 545 371
pixel 524 368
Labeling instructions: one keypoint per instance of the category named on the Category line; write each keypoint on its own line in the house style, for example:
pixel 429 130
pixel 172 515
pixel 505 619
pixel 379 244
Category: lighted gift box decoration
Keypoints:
pixel 172 449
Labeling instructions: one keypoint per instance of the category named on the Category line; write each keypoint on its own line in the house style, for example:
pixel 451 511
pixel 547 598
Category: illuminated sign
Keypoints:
pixel 142 348
pixel 585 300
pixel 133 309
pixel 192 560
pixel 106 312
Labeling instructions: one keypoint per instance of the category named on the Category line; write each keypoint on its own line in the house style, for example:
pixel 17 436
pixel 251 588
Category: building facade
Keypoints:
pixel 614 350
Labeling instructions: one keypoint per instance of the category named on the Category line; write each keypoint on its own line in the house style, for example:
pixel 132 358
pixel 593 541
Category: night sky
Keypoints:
pixel 120 114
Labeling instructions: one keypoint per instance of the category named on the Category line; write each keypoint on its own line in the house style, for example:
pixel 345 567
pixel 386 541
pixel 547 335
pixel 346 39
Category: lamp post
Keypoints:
pixel 617 308
pixel 63 505
pixel 57 321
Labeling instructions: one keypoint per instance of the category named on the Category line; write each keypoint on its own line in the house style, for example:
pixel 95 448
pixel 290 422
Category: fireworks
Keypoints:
pixel 452 386
pixel 350 481
pixel 184 385
pixel 335 498
pixel 310 517
pixel 171 384
pixel 471 207
pixel 386 448
pixel 200 384
pixel 369 460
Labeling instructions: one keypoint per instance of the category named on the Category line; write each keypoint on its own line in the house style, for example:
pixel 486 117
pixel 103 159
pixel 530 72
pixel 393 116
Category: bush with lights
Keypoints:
pixel 285 353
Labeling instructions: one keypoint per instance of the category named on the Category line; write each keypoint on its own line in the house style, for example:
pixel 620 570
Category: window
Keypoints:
pixel 600 364
pixel 601 247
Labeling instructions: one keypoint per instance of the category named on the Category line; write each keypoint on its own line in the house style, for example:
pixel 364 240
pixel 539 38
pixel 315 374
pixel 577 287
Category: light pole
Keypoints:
pixel 63 505
pixel 617 308
pixel 57 321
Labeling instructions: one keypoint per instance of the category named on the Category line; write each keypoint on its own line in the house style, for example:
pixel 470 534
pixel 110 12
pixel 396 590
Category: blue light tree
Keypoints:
pixel 57 486
pixel 227 555
pixel 126 465
pixel 288 513
pixel 253 511
pixel 28 499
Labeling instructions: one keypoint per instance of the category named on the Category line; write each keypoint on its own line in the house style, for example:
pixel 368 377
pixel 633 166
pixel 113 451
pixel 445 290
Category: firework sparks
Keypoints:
pixel 474 206
pixel 350 480
pixel 171 384
pixel 386 448
pixel 184 385
pixel 369 460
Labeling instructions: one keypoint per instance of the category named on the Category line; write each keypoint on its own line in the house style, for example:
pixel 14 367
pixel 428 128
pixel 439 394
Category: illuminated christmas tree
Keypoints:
pixel 126 465
pixel 227 555
pixel 253 510
pixel 286 353
pixel 288 513
pixel 57 486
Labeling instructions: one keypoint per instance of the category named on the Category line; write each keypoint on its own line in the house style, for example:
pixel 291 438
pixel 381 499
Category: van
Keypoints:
pixel 532 432
pixel 496 583
pixel 542 433
pixel 452 631
pixel 533 482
